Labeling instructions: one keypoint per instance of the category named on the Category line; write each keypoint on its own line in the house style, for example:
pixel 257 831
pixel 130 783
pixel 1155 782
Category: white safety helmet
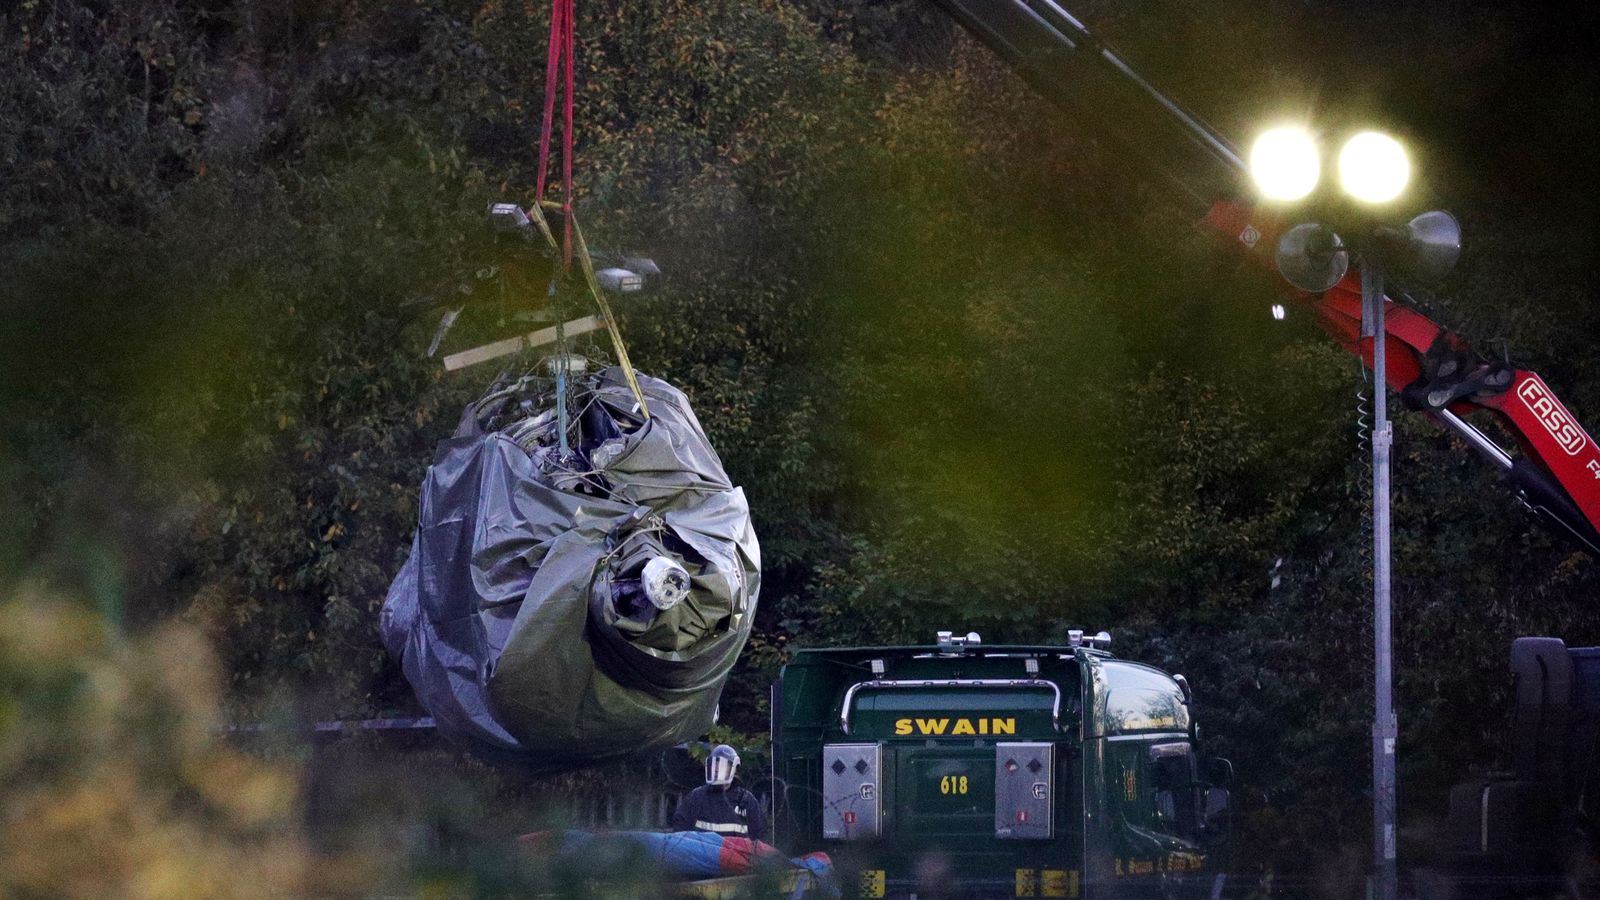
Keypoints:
pixel 721 765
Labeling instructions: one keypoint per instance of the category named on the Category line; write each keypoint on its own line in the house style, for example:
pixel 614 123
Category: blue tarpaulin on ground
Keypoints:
pixel 692 855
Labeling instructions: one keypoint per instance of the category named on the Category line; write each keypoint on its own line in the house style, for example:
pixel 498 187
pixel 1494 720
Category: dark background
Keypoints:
pixel 973 366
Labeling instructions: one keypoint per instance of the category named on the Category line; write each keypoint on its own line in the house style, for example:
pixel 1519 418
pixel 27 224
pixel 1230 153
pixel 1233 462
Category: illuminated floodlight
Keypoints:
pixel 1373 167
pixel 1284 163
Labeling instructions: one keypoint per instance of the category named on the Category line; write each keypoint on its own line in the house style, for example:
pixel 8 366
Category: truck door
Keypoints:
pixel 944 794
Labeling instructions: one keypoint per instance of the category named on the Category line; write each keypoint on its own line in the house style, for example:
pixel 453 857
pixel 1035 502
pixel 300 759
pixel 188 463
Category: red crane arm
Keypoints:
pixel 1434 370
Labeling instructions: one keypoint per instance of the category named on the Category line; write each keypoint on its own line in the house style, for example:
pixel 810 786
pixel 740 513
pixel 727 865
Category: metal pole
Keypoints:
pixel 1384 726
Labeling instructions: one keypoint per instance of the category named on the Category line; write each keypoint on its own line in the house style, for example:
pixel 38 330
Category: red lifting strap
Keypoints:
pixel 561 50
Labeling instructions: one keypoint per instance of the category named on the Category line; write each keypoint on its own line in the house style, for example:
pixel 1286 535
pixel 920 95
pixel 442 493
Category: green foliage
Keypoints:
pixel 117 781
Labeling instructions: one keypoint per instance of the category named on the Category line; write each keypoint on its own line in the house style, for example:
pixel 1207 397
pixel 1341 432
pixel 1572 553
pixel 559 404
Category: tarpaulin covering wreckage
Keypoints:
pixel 563 606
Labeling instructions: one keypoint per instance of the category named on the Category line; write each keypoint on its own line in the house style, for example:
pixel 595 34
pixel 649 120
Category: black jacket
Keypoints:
pixel 730 810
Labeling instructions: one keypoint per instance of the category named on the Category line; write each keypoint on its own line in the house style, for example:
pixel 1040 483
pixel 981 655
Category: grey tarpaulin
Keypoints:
pixel 520 618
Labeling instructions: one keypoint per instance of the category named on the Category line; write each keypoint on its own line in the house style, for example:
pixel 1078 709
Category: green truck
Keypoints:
pixel 964 769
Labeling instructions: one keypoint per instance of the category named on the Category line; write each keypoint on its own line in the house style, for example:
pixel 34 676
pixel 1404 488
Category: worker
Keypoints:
pixel 721 805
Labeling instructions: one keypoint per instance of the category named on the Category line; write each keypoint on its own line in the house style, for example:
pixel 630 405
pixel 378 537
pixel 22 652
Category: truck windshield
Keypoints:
pixel 1138 699
pixel 960 712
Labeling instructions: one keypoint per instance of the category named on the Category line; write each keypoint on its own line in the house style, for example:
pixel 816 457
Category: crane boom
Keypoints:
pixel 1059 57
pixel 1556 472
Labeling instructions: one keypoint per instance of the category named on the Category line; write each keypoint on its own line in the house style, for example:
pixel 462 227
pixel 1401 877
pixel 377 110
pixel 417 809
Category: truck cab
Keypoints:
pixel 997 771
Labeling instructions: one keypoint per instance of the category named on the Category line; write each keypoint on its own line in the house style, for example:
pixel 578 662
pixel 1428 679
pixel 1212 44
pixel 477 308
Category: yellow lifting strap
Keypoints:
pixel 599 296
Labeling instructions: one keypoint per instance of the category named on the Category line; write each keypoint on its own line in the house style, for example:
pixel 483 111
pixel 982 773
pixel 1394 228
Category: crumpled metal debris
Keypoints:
pixel 563 609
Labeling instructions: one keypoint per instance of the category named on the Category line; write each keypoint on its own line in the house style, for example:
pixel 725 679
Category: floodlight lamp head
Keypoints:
pixel 633 274
pixel 1373 167
pixel 1312 257
pixel 1433 244
pixel 1285 164
pixel 620 281
pixel 509 218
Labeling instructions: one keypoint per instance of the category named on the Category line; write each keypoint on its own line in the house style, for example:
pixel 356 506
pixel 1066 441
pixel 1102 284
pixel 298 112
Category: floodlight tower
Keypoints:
pixel 1373 170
